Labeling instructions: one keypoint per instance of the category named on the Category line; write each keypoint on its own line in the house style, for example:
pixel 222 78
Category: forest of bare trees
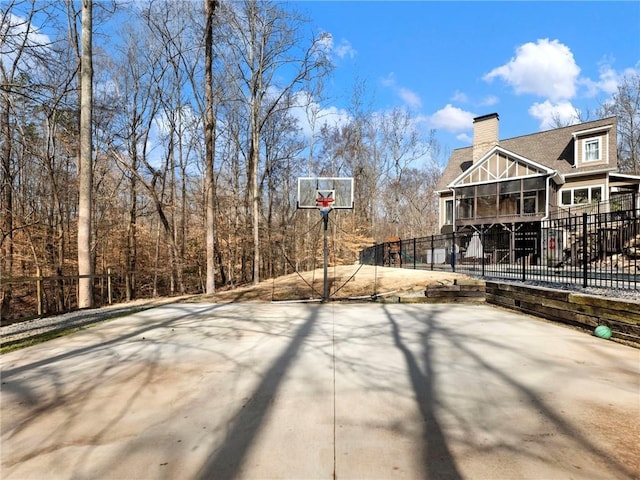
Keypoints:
pixel 162 141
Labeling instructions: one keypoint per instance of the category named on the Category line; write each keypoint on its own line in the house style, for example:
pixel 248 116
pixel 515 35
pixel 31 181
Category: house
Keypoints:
pixel 517 183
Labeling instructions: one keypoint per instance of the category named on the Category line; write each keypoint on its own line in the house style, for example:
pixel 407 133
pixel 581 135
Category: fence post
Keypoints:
pixel 522 257
pixel 635 208
pixel 432 252
pixel 39 290
pixel 453 252
pixel 375 271
pixel 585 262
pixel 482 243
pixel 109 285
pixel 414 253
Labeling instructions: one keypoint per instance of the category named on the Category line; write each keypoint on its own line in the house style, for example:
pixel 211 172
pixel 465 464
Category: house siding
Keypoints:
pixel 586 181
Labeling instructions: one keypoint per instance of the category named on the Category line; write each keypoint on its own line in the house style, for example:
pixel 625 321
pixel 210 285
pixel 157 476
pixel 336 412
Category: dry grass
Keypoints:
pixel 344 282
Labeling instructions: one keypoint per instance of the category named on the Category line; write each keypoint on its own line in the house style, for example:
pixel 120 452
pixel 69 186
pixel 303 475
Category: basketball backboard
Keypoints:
pixel 340 189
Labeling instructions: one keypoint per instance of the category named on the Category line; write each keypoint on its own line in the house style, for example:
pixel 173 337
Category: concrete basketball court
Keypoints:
pixel 322 391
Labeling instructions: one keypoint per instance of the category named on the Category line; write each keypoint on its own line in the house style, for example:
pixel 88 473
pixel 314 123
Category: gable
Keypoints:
pixel 497 165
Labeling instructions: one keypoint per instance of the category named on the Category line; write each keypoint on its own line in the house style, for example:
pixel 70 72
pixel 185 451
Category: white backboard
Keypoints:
pixel 310 189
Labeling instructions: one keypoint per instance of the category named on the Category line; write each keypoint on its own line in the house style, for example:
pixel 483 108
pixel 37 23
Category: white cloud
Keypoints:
pixel 421 119
pixel 459 97
pixel 545 68
pixel 333 116
pixel 452 119
pixel 306 109
pixel 608 80
pixel 465 138
pixel 162 122
pixel 325 42
pixel 489 101
pixel 342 50
pixel 551 115
pixel 323 46
pixel 410 98
pixel 389 80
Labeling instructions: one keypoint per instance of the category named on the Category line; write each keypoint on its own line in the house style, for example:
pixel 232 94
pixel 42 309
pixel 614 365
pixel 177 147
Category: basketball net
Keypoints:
pixel 324 204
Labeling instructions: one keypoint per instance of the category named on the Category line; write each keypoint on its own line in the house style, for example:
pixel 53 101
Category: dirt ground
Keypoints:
pixel 345 282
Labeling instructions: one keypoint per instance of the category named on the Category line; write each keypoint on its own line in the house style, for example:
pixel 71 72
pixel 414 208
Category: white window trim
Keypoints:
pixel 589 200
pixel 598 140
pixel 589 131
pixel 446 202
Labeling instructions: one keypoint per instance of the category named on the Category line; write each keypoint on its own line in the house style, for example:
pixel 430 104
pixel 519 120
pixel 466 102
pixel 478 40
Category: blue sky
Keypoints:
pixel 450 61
pixel 447 62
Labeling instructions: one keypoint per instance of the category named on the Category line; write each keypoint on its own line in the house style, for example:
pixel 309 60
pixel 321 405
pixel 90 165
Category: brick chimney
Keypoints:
pixel 485 134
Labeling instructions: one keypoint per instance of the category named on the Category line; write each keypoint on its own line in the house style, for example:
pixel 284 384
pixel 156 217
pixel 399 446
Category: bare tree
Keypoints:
pixel 9 72
pixel 137 105
pixel 268 48
pixel 625 105
pixel 38 78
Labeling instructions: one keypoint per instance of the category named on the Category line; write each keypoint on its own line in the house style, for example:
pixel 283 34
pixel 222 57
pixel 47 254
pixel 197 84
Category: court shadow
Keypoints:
pixel 499 364
pixel 226 462
pixel 438 460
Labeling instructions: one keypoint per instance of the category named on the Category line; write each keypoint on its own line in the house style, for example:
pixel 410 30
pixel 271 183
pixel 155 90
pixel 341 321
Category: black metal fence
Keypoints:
pixel 588 250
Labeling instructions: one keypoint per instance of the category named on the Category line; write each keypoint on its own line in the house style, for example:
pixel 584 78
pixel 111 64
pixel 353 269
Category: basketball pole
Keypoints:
pixel 325 291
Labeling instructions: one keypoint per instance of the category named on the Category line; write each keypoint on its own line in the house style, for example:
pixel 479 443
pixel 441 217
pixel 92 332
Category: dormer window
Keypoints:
pixel 592 146
pixel 592 150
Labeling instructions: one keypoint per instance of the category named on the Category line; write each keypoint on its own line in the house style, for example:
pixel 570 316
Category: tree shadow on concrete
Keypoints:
pixel 438 460
pixel 469 350
pixel 43 385
pixel 536 404
pixel 226 462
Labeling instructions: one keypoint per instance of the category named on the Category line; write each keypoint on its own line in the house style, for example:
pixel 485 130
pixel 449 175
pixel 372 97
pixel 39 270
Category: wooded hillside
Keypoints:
pixel 204 114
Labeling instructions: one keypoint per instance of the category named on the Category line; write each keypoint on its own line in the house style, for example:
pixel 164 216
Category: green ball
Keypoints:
pixel 602 331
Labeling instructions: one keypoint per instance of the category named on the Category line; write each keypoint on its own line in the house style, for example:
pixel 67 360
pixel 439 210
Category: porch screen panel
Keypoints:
pixel 465 199
pixel 487 200
pixel 509 201
pixel 534 195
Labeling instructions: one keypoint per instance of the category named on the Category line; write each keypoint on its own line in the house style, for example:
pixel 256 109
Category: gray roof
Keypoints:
pixel 552 148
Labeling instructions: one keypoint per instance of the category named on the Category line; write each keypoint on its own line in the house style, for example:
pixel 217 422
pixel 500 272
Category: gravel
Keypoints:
pixel 76 319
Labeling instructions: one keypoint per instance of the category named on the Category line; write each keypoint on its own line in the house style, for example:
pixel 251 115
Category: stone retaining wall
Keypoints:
pixel 461 291
pixel 577 309
pixel 582 310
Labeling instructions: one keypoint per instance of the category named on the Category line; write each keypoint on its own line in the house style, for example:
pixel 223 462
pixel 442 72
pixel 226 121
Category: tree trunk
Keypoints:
pixel 131 249
pixel 210 221
pixel 85 265
pixel 57 220
pixel 255 202
pixel 6 242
